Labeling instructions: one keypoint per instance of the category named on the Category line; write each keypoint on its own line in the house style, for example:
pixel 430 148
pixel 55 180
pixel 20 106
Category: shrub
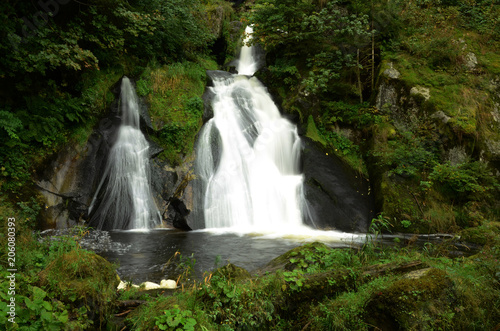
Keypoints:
pixel 470 180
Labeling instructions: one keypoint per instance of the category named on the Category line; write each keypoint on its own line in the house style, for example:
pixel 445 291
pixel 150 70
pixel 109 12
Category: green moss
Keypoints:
pixel 409 304
pixel 173 93
pixel 232 272
pixel 481 234
pixel 79 278
pixel 490 61
pixel 312 131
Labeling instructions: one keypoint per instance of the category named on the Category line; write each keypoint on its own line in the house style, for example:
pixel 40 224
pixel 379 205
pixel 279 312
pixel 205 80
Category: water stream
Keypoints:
pixel 123 199
pixel 252 174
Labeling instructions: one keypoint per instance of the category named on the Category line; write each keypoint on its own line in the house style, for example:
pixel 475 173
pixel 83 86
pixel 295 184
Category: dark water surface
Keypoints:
pixel 141 256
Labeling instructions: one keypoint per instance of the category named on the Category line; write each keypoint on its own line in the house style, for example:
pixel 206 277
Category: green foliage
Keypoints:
pixel 57 72
pixel 10 123
pixel 39 311
pixel 175 105
pixel 285 71
pixel 175 319
pixel 406 224
pixel 449 293
pixel 28 212
pixel 194 106
pixel 39 306
pixel 358 115
pixel 470 180
pixel 231 305
pixel 314 258
pixel 408 156
pixel 480 15
pixel 142 88
pixel 327 37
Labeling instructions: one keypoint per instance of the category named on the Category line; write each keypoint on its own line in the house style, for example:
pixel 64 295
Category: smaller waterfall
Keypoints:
pixel 123 199
pixel 247 64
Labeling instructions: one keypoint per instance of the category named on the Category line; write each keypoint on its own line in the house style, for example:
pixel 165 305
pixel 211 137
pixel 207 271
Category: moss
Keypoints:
pixel 481 234
pixel 80 278
pixel 312 131
pixel 173 93
pixel 232 272
pixel 398 202
pixel 410 304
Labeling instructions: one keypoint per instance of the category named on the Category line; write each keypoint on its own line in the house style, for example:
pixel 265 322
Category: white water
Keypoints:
pixel 249 161
pixel 123 199
pixel 247 64
pixel 252 178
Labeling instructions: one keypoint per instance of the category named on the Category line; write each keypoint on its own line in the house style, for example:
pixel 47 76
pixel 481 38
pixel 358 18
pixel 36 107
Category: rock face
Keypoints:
pixel 337 197
pixel 69 182
pixel 403 104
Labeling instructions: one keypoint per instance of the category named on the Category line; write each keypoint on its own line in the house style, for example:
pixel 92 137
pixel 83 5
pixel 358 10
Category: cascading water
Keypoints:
pixel 247 64
pixel 123 199
pixel 249 157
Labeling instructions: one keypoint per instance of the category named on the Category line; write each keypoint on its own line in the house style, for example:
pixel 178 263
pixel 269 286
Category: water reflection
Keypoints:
pixel 147 252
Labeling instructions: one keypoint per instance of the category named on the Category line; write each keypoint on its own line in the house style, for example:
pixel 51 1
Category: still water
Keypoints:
pixel 141 256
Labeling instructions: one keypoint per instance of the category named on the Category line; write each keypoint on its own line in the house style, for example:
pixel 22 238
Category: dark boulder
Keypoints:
pixel 337 197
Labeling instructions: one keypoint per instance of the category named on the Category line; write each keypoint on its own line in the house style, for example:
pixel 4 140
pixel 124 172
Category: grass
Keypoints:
pixel 173 93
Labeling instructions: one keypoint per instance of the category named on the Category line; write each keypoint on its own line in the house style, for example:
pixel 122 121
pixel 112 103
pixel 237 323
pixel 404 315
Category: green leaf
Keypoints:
pixel 38 294
pixel 47 305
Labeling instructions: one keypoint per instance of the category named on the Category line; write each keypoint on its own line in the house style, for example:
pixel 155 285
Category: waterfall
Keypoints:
pixel 249 156
pixel 247 64
pixel 123 199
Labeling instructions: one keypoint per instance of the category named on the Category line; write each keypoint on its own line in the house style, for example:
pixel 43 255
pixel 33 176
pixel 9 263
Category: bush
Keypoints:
pixel 470 180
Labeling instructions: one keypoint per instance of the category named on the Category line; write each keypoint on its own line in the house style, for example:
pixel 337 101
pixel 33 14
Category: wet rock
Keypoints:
pixel 94 240
pixel 208 110
pixel 68 182
pixel 337 198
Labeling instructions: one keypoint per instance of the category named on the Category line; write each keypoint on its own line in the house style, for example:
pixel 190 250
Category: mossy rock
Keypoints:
pixel 232 272
pixel 421 302
pixel 82 278
pixel 283 261
pixel 481 234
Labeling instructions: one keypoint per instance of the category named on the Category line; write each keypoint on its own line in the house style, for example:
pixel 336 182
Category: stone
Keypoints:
pixel 421 91
pixel 457 155
pixel 387 98
pixel 416 274
pixel 440 115
pixel 122 285
pixel 470 61
pixel 493 147
pixel 391 72
pixel 168 284
pixel 150 286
